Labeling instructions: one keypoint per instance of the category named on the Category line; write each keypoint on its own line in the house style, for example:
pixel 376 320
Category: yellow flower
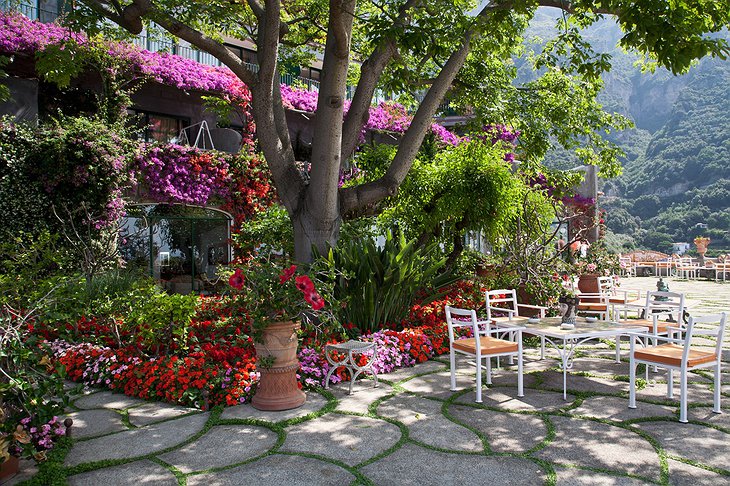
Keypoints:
pixel 40 456
pixel 21 435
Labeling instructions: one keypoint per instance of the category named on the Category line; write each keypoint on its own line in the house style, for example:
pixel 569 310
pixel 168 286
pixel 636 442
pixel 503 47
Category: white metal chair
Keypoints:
pixel 512 308
pixel 481 346
pixel 721 270
pixel 679 355
pixel 627 266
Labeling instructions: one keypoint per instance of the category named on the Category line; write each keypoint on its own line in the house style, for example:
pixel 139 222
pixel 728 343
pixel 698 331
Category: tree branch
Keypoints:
pixel 570 8
pixel 366 194
pixel 370 72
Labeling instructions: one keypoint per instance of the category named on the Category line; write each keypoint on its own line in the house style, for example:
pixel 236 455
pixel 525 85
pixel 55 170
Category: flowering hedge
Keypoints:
pixel 172 173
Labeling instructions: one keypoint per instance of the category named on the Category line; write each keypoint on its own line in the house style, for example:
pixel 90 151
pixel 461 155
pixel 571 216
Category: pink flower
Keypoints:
pixel 237 279
pixel 287 274
pixel 304 284
pixel 591 267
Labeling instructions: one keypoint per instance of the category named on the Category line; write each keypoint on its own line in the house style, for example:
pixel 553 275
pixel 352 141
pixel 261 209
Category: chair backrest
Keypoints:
pixel 605 285
pixel 460 321
pixel 666 302
pixel 685 261
pixel 501 296
pixel 718 320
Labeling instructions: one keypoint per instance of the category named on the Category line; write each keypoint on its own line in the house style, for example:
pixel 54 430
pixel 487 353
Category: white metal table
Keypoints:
pixel 565 341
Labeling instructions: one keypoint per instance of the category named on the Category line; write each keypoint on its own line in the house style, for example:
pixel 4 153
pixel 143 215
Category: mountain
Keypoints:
pixel 676 180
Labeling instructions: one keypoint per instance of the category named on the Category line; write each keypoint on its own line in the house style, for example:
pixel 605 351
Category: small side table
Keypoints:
pixel 351 349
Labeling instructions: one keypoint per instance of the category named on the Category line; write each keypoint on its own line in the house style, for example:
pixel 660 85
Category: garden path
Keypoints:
pixel 414 430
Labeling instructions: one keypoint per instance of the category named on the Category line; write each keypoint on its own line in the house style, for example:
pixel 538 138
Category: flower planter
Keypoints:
pixel 701 244
pixel 588 283
pixel 278 388
pixel 9 468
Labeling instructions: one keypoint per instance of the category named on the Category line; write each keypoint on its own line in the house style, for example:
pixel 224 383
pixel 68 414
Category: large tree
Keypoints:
pixel 426 48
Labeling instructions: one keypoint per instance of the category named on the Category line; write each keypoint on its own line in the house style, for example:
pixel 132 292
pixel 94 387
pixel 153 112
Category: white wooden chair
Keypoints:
pixel 482 346
pixel 678 354
pixel 502 306
pixel 687 269
pixel 649 321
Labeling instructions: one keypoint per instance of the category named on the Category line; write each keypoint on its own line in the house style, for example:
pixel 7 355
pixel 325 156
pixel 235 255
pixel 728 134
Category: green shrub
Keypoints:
pixel 163 322
pixel 378 285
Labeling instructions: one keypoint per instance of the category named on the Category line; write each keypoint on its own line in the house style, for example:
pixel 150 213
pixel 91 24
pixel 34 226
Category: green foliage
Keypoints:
pixel 4 91
pixel 65 165
pixel 30 389
pixel 378 285
pixel 465 188
pixel 268 230
pixel 163 321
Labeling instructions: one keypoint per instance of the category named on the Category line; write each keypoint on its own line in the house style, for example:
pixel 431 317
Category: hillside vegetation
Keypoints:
pixel 676 181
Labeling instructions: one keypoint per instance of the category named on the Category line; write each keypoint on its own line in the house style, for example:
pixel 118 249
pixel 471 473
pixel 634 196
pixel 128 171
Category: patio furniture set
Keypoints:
pixel 654 342
pixel 681 267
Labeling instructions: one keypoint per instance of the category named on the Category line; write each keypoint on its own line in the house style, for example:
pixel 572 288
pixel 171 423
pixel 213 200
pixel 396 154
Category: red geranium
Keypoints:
pixel 237 279
pixel 315 300
pixel 287 274
pixel 304 284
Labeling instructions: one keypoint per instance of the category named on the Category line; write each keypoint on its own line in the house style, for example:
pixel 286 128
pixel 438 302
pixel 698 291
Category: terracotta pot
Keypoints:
pixel 701 244
pixel 278 388
pixel 9 468
pixel 588 283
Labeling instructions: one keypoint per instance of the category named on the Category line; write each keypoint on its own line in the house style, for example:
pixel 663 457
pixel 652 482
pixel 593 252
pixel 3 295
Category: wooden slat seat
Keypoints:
pixel 489 345
pixel 661 326
pixel 590 306
pixel 671 354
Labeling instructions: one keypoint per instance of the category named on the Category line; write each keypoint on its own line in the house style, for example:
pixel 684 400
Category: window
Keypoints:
pixel 311 73
pixel 158 127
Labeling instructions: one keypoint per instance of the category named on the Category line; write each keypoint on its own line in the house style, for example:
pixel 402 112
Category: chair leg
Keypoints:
pixel 670 383
pixel 489 370
pixel 718 385
pixel 618 349
pixel 542 347
pixel 632 379
pixel 655 342
pixel 683 395
pixel 479 379
pixel 452 359
pixel 520 388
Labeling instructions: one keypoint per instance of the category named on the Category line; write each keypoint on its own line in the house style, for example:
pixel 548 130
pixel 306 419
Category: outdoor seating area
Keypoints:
pixel 595 428
pixel 355 243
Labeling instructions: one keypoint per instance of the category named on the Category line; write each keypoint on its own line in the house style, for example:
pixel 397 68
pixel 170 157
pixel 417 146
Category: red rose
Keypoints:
pixel 236 281
pixel 287 274
pixel 304 284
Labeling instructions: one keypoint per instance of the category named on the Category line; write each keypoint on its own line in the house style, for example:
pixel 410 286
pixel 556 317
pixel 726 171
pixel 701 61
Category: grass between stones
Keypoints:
pixel 53 471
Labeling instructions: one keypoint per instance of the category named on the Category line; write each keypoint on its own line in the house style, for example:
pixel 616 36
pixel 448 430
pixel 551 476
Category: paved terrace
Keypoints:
pixel 413 430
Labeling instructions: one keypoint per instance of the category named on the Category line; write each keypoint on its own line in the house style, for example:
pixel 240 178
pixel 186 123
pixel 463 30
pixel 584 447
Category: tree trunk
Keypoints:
pixel 313 231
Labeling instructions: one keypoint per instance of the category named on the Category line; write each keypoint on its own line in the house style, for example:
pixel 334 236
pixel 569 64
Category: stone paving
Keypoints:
pixel 414 430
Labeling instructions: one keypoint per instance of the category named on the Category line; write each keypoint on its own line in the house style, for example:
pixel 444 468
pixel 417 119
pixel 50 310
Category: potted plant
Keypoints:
pixel 701 243
pixel 277 297
pixel 597 262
